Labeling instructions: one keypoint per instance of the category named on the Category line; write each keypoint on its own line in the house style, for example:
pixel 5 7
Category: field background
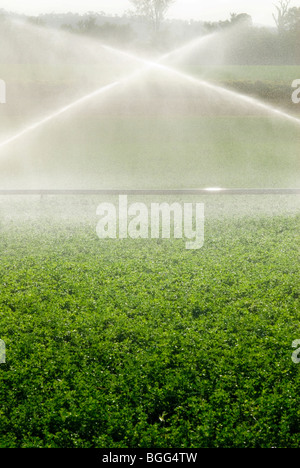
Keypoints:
pixel 188 137
pixel 142 343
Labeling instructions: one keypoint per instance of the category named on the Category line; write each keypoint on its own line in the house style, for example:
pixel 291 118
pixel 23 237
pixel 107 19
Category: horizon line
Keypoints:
pixel 200 191
pixel 127 13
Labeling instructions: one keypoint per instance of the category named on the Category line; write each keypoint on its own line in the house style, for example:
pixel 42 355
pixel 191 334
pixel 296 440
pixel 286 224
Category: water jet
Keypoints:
pixel 153 127
pixel 215 88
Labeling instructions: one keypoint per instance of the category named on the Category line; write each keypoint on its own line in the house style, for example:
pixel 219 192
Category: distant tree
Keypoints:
pixel 290 36
pixel 109 32
pixel 154 10
pixel 115 33
pixel 280 17
pixel 67 27
pixel 87 26
pixel 242 19
pixel 2 15
pixel 36 20
pixel 293 19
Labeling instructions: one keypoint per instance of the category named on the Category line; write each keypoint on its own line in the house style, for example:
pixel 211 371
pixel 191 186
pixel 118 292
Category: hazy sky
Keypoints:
pixel 261 10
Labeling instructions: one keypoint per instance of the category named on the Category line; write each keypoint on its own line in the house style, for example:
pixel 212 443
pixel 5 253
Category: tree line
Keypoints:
pixel 146 25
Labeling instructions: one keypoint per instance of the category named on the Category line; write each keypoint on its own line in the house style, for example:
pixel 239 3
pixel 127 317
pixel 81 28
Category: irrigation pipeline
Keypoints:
pixel 212 191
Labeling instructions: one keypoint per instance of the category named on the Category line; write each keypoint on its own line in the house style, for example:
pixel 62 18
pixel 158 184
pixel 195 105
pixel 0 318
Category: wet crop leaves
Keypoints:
pixel 144 344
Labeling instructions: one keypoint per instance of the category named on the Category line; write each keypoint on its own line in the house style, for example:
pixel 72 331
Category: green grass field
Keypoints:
pixel 272 74
pixel 143 343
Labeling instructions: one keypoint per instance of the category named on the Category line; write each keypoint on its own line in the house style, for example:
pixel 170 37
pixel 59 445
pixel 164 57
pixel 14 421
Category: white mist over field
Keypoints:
pixel 82 114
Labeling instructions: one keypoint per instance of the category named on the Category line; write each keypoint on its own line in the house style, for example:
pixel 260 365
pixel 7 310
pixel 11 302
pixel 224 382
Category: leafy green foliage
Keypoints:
pixel 144 344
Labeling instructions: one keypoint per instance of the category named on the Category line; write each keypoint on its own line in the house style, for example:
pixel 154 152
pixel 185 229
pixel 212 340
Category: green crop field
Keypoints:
pixel 141 343
pixel 268 73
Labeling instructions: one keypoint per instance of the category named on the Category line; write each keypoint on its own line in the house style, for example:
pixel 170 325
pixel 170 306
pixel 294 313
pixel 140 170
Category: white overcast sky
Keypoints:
pixel 213 10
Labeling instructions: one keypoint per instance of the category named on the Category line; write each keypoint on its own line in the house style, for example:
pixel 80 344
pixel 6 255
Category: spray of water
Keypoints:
pixel 232 95
pixel 63 110
pixel 159 64
pixel 147 64
pixel 194 45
